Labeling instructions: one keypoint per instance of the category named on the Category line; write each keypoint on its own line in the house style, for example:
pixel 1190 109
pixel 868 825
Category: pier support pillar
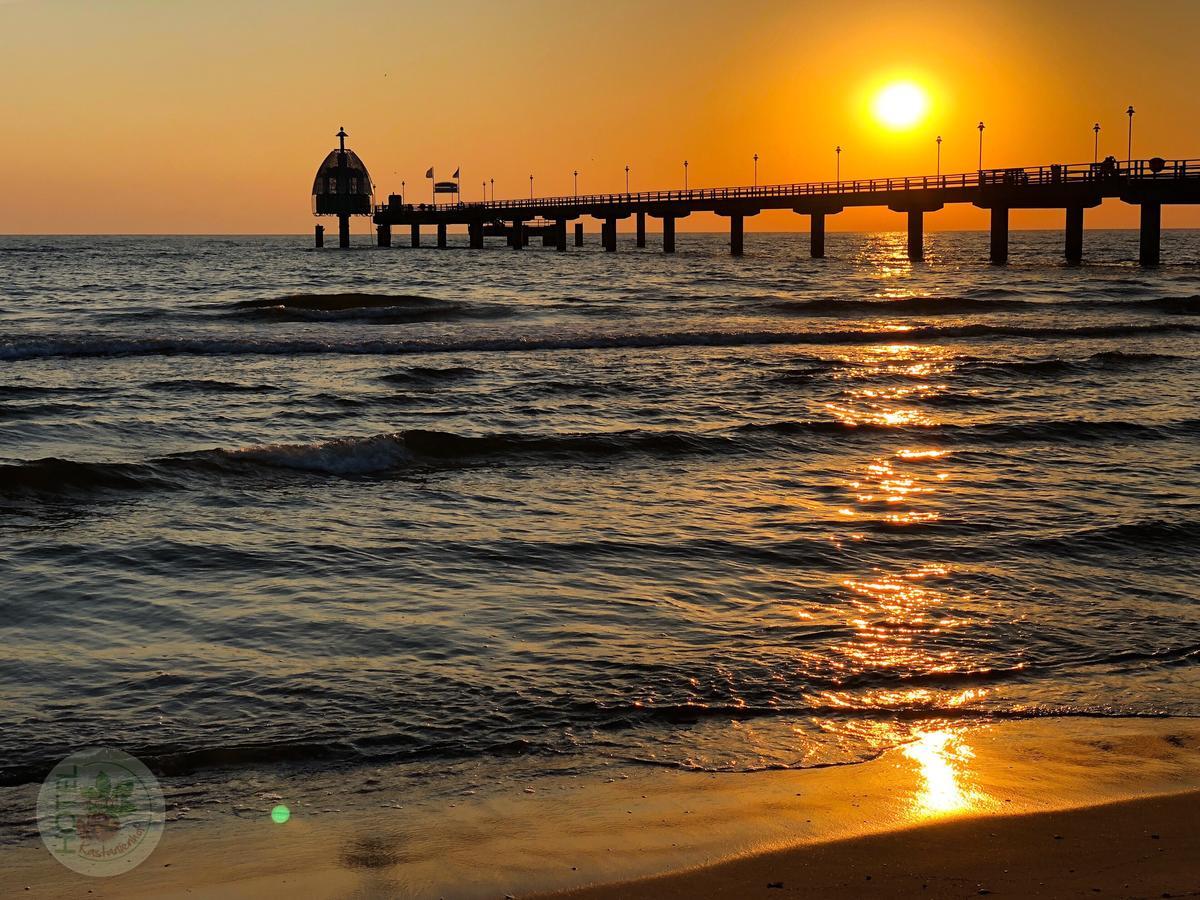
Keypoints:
pixel 319 236
pixel 737 235
pixel 560 235
pixel 610 235
pixel 999 245
pixel 641 229
pixel 1149 240
pixel 1074 247
pixel 668 234
pixel 384 235
pixel 516 236
pixel 344 232
pixel 916 235
pixel 441 234
pixel 475 235
pixel 578 234
pixel 416 235
pixel 816 236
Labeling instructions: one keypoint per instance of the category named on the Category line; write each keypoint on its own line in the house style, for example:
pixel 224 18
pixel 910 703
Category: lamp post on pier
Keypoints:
pixel 1129 145
pixel 493 183
pixel 1096 143
pixel 576 174
pixel 756 171
pixel 530 187
pixel 627 179
pixel 838 170
pixel 980 126
pixel 685 167
pixel 939 156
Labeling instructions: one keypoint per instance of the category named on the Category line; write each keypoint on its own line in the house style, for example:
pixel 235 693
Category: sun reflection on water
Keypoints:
pixel 942 758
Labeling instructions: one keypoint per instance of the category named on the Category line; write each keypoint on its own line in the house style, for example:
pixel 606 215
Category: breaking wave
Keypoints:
pixel 90 347
pixel 396 452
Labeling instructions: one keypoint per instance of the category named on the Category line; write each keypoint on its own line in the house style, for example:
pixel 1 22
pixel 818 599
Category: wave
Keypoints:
pixel 1168 535
pixel 1110 360
pixel 207 385
pixel 1072 430
pixel 379 308
pixel 1003 301
pixel 91 347
pixel 397 452
pixel 174 760
pixel 930 306
pixel 1178 306
pixel 12 412
pixel 430 374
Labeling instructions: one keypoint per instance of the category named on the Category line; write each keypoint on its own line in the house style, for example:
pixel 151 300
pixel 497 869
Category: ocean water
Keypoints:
pixel 264 505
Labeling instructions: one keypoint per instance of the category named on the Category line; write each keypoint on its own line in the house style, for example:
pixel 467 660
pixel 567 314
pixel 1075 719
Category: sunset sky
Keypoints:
pixel 143 116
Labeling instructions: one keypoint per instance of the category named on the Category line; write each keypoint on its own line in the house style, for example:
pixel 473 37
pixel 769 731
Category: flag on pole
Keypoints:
pixel 429 174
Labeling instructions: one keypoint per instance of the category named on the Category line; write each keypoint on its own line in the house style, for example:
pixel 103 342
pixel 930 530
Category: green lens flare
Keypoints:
pixel 280 814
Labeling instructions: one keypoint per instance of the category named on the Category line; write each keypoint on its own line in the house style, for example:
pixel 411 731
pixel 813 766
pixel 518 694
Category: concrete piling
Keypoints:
pixel 1149 238
pixel 999 236
pixel 916 235
pixel 1074 234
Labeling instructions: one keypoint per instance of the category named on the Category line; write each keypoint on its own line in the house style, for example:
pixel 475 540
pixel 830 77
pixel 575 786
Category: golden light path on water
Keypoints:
pixel 942 758
pixel 901 618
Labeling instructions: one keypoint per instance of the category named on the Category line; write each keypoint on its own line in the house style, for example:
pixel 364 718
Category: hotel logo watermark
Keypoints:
pixel 100 812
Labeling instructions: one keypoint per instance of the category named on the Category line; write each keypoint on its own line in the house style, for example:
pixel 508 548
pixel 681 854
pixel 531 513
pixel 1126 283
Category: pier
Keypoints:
pixel 1149 184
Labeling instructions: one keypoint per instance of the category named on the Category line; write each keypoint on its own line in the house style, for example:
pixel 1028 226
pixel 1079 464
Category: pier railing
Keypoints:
pixel 1139 170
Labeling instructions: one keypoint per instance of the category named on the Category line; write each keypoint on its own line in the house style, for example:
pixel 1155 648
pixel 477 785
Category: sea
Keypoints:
pixel 263 505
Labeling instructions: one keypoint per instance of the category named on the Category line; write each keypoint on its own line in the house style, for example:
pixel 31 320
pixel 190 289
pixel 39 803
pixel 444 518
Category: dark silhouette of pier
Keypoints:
pixel 1149 184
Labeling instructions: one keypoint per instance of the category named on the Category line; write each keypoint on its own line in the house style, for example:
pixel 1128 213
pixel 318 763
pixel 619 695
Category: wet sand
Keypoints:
pixel 1013 809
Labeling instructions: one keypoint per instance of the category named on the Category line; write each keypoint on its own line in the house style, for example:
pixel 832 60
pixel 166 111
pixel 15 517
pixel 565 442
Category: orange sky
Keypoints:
pixel 141 116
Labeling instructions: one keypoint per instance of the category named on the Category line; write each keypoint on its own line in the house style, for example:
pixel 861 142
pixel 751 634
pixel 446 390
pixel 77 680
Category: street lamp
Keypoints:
pixel 756 170
pixel 1129 147
pixel 402 187
pixel 627 179
pixel 576 174
pixel 939 156
pixel 485 192
pixel 838 150
pixel 980 146
pixel 1096 143
pixel 685 165
pixel 530 187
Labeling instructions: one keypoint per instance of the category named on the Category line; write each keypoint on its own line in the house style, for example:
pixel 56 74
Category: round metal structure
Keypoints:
pixel 343 185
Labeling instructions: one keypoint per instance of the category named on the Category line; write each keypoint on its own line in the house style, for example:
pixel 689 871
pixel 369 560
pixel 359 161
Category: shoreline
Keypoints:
pixel 627 831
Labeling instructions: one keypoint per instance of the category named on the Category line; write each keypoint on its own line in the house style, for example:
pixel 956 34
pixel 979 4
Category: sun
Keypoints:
pixel 901 105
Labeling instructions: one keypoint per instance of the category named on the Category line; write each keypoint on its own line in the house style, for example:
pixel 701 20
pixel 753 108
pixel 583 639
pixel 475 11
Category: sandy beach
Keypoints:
pixel 1052 808
pixel 1138 848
